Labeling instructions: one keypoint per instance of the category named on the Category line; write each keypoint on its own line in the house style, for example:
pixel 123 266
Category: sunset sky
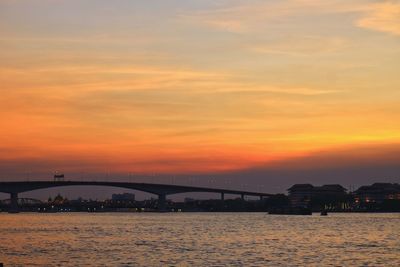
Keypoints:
pixel 198 87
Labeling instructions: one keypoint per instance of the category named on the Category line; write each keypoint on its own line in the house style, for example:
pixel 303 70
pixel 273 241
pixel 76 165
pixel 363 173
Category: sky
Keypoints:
pixel 264 93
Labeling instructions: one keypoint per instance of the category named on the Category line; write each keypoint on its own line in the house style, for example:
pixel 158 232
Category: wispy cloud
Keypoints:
pixel 288 27
pixel 300 46
pixel 384 17
pixel 255 16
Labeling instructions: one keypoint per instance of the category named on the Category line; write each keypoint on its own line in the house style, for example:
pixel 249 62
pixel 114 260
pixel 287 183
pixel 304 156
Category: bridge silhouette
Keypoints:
pixel 161 190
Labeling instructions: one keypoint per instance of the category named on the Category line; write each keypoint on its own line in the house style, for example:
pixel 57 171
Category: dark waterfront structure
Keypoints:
pixel 332 197
pixel 300 195
pixel 377 193
pixel 161 190
pixel 378 197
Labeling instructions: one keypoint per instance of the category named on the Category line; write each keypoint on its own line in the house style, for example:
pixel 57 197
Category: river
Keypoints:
pixel 199 239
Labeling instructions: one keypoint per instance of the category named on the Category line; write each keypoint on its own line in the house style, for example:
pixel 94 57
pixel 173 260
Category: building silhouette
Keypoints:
pixel 307 195
pixel 377 193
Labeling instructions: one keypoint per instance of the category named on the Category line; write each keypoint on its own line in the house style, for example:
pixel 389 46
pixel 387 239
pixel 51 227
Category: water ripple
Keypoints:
pixel 199 239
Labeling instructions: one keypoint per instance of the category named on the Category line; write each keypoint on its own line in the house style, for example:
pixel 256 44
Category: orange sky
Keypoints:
pixel 200 86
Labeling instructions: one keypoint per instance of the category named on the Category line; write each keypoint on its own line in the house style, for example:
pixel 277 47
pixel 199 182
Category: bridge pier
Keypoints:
pixel 222 196
pixel 242 196
pixel 162 202
pixel 13 203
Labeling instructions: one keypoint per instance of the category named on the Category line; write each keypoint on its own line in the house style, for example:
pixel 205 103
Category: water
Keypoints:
pixel 199 239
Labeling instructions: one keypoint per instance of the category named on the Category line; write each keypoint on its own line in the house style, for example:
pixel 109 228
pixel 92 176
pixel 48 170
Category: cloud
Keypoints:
pixel 259 91
pixel 255 16
pixel 383 17
pixel 258 16
pixel 285 28
pixel 300 46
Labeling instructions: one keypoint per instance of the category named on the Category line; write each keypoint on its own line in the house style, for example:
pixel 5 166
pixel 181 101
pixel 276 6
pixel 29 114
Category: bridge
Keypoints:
pixel 161 190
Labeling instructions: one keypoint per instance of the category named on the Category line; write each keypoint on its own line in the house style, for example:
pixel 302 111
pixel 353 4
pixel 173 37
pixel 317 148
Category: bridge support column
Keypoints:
pixel 162 202
pixel 13 203
pixel 242 196
pixel 222 196
pixel 261 198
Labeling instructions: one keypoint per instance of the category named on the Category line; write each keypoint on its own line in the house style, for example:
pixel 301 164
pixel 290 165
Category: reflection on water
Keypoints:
pixel 199 239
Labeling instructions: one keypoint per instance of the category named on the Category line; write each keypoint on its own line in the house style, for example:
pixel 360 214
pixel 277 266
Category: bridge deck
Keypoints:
pixel 158 189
